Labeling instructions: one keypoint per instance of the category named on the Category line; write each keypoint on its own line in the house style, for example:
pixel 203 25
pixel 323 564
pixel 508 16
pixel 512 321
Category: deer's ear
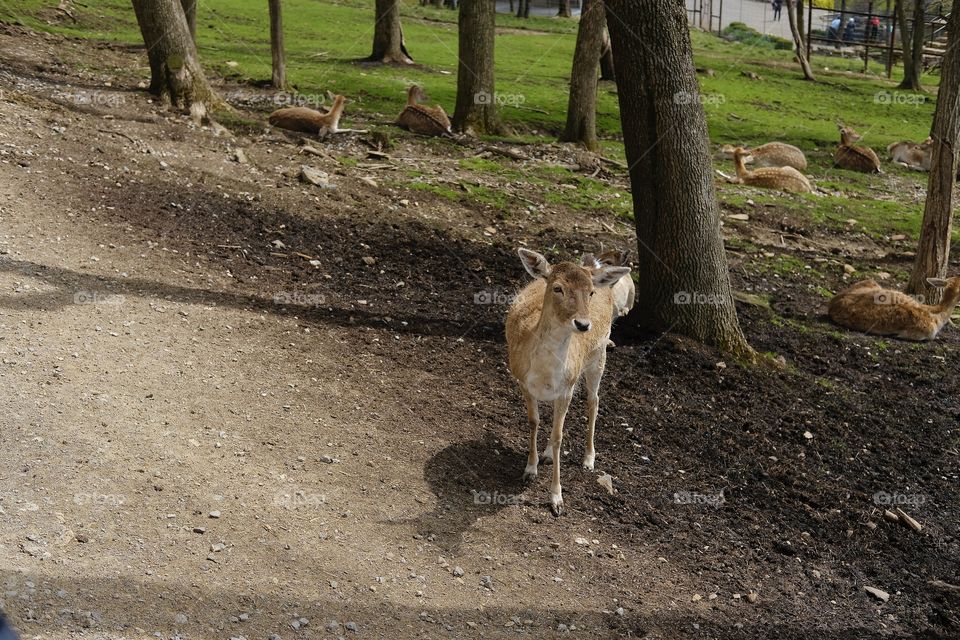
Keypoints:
pixel 535 264
pixel 939 283
pixel 588 261
pixel 608 276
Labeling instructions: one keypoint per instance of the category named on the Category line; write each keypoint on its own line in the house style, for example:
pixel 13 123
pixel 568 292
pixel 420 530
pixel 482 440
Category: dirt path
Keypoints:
pixel 220 418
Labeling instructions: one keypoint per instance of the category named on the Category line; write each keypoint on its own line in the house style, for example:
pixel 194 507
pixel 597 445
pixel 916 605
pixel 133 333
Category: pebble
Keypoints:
pixel 214 514
pixel 487 582
pixel 619 611
pixel 752 597
pixel 180 618
pixel 879 594
pixel 351 626
pixel 562 628
pixel 457 571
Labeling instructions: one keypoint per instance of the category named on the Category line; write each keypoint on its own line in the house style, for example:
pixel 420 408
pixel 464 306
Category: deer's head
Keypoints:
pixel 566 299
pixel 847 134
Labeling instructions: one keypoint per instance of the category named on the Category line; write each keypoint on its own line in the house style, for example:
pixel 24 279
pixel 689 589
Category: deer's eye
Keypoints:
pixel 558 289
pixel 591 293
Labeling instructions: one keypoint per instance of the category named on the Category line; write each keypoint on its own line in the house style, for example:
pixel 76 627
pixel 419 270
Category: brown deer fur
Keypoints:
pixel 557 331
pixel 423 120
pixel 912 155
pixel 867 307
pixel 307 120
pixel 785 178
pixel 855 158
pixel 773 154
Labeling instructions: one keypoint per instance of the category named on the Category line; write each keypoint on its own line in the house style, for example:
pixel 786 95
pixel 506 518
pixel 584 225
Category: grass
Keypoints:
pixel 324 40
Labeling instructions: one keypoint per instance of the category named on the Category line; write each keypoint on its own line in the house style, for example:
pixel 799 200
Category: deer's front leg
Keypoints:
pixel 533 418
pixel 560 406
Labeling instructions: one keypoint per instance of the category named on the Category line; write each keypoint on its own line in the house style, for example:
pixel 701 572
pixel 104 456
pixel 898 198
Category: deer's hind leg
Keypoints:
pixel 592 374
pixel 533 418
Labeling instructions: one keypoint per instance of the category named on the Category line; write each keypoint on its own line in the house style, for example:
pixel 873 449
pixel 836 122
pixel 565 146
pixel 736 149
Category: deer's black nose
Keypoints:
pixel 581 326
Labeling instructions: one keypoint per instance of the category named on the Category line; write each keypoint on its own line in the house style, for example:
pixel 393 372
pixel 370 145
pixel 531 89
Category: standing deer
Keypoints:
pixel 557 330
pixel 307 120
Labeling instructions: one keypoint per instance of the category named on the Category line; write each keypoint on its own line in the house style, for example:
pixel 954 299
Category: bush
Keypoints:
pixel 742 33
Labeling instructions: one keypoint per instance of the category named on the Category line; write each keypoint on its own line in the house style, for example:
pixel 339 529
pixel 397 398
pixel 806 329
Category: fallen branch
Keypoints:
pixel 944 586
pixel 615 163
pixel 118 133
pixel 509 153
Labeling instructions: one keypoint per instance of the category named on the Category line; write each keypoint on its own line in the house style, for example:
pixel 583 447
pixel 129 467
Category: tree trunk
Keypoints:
pixel 523 9
pixel 175 72
pixel 582 105
pixel 606 57
pixel 563 11
pixel 684 284
pixel 476 109
pixel 388 44
pixel 912 46
pixel 792 14
pixel 279 79
pixel 933 252
pixel 190 13
pixel 800 23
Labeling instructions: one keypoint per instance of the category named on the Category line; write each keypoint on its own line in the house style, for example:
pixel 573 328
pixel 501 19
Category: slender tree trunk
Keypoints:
pixel 175 72
pixel 388 44
pixel 476 109
pixel 523 9
pixel 912 47
pixel 906 48
pixel 563 10
pixel 684 282
pixel 190 13
pixel 798 41
pixel 279 79
pixel 582 105
pixel 606 57
pixel 800 23
pixel 933 252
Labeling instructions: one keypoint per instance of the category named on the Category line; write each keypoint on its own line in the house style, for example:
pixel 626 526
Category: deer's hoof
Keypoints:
pixel 530 473
pixel 547 456
pixel 556 505
pixel 588 463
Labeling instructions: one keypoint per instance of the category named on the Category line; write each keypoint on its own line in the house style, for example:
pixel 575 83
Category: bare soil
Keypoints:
pixel 232 400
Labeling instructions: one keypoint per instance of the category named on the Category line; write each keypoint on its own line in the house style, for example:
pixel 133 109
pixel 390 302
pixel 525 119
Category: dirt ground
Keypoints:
pixel 235 404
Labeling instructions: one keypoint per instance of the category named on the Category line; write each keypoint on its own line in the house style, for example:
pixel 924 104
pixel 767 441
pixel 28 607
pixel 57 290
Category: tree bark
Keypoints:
pixel 388 46
pixel 476 109
pixel 279 79
pixel 912 40
pixel 684 284
pixel 190 13
pixel 933 252
pixel 606 57
pixel 798 41
pixel 800 22
pixel 523 9
pixel 582 104
pixel 175 72
pixel 563 10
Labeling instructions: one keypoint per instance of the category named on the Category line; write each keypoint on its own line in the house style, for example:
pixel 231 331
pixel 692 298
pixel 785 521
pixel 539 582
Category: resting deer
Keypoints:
pixel 852 157
pixel 423 120
pixel 557 330
pixel 867 307
pixel 307 120
pixel 912 155
pixel 772 154
pixel 785 178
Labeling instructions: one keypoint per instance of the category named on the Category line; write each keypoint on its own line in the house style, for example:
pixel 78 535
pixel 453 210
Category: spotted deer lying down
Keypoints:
pixel 849 156
pixel 307 120
pixel 421 119
pixel 772 154
pixel 912 155
pixel 867 307
pixel 557 331
pixel 784 178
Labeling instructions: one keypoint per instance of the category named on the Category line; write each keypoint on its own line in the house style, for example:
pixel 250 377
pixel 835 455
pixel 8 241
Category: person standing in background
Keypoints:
pixel 777 6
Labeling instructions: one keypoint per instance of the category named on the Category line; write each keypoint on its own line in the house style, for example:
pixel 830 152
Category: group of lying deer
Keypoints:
pixel 416 117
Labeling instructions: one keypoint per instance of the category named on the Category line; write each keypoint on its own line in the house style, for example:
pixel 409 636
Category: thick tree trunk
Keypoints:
pixel 190 13
pixel 279 79
pixel 582 105
pixel 684 284
pixel 801 52
pixel 912 46
pixel 176 74
pixel 563 10
pixel 388 44
pixel 476 109
pixel 606 57
pixel 933 252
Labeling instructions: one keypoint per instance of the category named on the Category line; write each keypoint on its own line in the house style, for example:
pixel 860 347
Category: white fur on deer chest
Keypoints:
pixel 549 375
